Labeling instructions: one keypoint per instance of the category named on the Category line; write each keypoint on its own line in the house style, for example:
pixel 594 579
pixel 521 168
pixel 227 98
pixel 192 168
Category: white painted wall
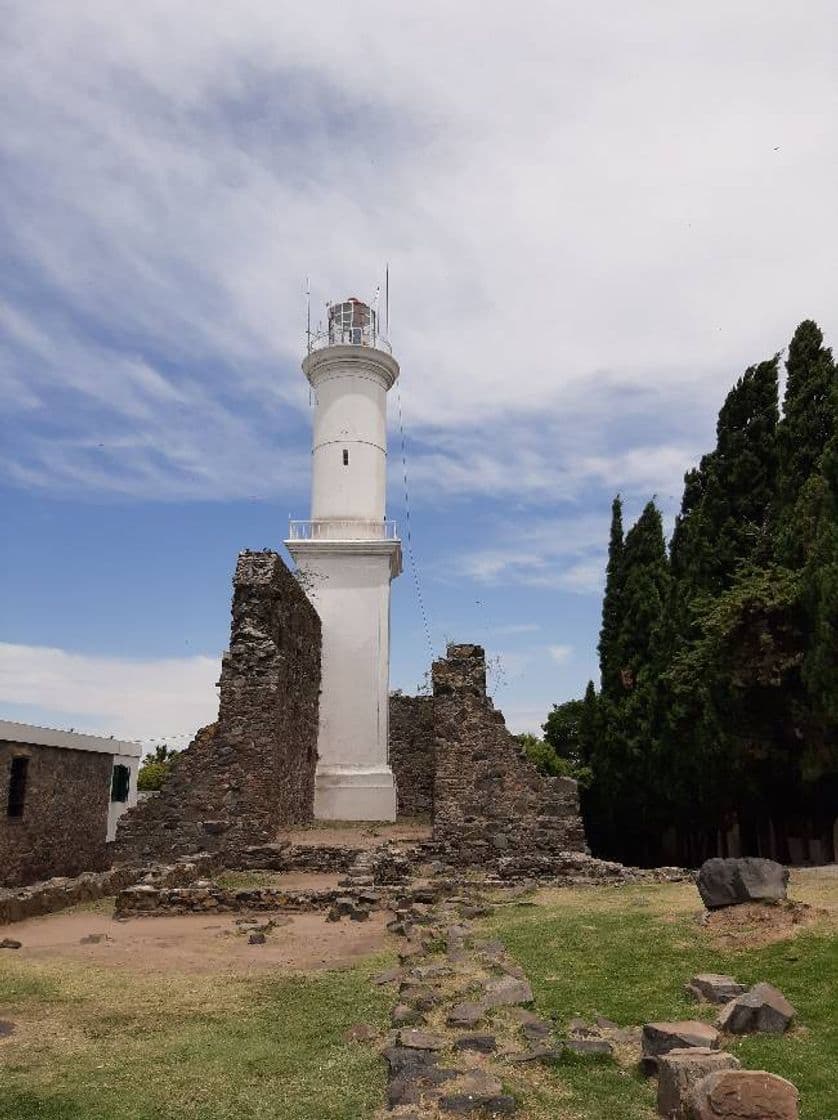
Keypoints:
pixel 349 586
pixel 117 808
pixel 348 573
pixel 350 386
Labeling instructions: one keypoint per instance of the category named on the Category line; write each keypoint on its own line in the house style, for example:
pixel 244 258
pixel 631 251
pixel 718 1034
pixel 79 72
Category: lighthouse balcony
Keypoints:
pixel 333 529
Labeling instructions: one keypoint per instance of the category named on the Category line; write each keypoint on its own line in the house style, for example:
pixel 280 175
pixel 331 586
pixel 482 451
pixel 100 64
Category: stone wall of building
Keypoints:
pixel 252 773
pixel 412 753
pixel 63 825
pixel 490 802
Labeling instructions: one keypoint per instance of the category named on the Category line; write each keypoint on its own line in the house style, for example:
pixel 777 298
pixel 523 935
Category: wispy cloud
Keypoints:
pixel 559 246
pixel 560 654
pixel 567 553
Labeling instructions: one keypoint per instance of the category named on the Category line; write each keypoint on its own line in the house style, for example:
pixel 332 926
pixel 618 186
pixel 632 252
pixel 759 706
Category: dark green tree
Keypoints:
pixel 820 583
pixel 623 805
pixel 803 434
pixel 561 730
pixel 727 499
pixel 609 656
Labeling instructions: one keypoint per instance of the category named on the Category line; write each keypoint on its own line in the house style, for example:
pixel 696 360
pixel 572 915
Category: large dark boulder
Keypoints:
pixel 727 882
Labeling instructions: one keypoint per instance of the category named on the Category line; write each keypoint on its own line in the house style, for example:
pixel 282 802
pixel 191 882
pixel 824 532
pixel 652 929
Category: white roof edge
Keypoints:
pixel 12 732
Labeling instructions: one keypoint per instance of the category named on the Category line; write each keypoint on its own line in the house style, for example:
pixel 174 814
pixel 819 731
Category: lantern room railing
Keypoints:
pixel 343 530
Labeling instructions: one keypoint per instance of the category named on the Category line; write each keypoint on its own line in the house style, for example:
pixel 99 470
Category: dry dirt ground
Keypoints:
pixel 200 943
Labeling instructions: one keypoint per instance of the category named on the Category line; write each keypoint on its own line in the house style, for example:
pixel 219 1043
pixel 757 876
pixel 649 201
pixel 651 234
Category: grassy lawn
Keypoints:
pixel 100 1044
pixel 626 954
pixel 94 1043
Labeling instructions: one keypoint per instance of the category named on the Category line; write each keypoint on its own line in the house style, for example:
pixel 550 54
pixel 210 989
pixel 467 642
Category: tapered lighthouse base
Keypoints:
pixel 354 795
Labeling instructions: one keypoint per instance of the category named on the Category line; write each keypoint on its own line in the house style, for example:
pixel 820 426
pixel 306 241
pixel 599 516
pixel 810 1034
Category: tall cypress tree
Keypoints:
pixel 820 581
pixel 807 426
pixel 726 503
pixel 624 796
pixel 609 655
pixel 643 595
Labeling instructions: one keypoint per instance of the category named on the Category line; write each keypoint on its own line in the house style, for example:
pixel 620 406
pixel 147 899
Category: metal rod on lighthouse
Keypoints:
pixel 308 315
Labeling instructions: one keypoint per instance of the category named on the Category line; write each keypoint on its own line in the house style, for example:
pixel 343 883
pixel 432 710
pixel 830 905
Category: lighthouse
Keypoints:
pixel 348 553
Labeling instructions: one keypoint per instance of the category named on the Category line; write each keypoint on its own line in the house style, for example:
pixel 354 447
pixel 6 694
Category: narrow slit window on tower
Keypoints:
pixel 17 786
pixel 345 457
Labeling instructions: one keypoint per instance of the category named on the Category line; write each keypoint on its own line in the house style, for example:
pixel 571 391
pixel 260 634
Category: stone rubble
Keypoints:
pixel 660 1038
pixel 743 1095
pixel 680 1070
pixel 709 987
pixel 19 903
pixel 764 1008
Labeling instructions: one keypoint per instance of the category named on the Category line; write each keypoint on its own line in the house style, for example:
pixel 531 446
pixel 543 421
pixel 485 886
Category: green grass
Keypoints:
pixel 101 1045
pixel 96 1043
pixel 627 953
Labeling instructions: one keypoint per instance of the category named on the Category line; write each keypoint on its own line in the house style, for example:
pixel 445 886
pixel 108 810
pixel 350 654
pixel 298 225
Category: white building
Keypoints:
pixel 348 553
pixel 120 775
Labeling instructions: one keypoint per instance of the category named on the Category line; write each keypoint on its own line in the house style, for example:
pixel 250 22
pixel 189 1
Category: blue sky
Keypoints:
pixel 594 219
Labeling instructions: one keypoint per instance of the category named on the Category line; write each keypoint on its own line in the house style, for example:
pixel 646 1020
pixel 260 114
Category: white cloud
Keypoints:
pixel 567 553
pixel 560 654
pixel 577 205
pixel 131 699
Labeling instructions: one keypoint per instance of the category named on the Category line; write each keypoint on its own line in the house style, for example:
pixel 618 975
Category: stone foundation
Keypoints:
pixel 489 800
pixel 252 773
pixel 52 895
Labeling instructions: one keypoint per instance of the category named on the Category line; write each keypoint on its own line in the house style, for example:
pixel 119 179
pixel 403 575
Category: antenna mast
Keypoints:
pixel 308 315
pixel 387 300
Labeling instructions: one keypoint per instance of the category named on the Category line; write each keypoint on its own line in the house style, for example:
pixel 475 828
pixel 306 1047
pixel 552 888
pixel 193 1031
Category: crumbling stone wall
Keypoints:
pixel 412 753
pixel 251 773
pixel 489 800
pixel 64 823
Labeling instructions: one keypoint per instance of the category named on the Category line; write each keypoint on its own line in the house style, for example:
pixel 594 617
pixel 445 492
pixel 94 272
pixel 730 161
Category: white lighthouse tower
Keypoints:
pixel 349 553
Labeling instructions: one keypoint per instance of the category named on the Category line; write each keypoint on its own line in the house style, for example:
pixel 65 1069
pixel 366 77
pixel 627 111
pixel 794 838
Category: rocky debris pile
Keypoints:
pixel 697 1080
pixel 204 895
pixel 729 882
pixel 762 1008
pixel 462 1023
pixel 266 857
pixel 357 908
pixel 326 858
pixel 18 903
pixel 561 868
pixel 385 865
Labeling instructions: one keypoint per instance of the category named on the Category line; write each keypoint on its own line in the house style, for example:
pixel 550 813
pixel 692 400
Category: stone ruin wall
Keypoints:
pixel 250 774
pixel 490 802
pixel 62 830
pixel 412 753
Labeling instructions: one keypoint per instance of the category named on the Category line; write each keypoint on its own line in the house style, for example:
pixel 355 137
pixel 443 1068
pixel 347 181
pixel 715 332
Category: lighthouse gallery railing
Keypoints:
pixel 343 530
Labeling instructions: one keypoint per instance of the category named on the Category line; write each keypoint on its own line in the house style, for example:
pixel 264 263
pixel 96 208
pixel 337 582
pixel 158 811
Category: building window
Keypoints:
pixel 345 457
pixel 17 786
pixel 120 783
